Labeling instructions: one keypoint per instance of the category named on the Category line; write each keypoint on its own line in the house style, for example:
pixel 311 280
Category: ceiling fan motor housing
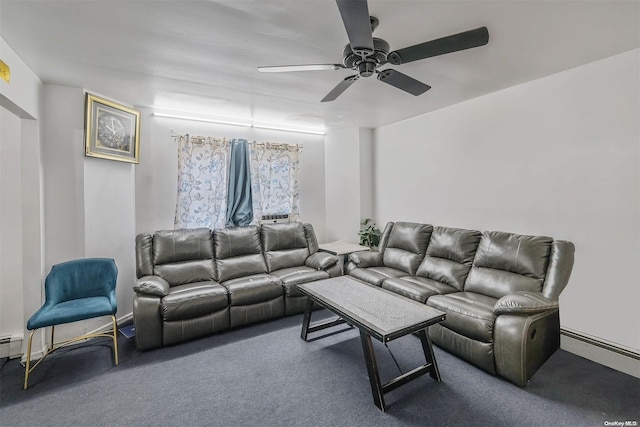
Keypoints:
pixel 366 66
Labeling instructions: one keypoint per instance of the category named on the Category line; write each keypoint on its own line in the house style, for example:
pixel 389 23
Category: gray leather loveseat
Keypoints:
pixel 195 282
pixel 499 290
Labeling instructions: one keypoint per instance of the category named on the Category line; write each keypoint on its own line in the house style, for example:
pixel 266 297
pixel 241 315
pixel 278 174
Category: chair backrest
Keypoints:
pixel 183 256
pixel 406 246
pixel 284 245
pixel 449 255
pixel 81 278
pixel 238 252
pixel 506 263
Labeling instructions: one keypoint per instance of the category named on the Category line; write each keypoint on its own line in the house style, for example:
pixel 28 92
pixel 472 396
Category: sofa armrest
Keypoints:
pixel 366 259
pixel 523 343
pixel 321 260
pixel 524 303
pixel 152 285
pixel 147 321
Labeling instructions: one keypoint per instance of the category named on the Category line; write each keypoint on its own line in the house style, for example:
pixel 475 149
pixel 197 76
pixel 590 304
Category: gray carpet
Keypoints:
pixel 265 375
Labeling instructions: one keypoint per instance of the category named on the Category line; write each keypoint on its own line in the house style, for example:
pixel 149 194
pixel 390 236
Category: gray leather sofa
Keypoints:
pixel 196 282
pixel 499 290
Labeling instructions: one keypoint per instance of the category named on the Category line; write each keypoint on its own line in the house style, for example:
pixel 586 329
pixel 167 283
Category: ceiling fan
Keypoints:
pixel 365 53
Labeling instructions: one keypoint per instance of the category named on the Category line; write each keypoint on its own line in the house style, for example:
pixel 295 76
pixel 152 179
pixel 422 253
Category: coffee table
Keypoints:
pixel 377 313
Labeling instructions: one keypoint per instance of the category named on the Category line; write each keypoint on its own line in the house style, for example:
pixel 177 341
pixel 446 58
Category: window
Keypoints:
pixel 204 197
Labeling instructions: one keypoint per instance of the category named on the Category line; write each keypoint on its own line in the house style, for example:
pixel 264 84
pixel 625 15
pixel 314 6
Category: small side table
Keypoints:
pixel 342 249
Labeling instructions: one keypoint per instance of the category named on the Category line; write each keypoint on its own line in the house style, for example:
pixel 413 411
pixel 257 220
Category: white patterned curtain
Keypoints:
pixel 203 176
pixel 275 180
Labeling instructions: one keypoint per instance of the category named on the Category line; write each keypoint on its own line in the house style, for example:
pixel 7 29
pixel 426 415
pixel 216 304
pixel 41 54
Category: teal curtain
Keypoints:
pixel 239 202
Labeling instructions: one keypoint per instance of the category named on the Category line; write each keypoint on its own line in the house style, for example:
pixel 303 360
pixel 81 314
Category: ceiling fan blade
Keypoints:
pixel 307 67
pixel 342 86
pixel 403 82
pixel 448 44
pixel 355 16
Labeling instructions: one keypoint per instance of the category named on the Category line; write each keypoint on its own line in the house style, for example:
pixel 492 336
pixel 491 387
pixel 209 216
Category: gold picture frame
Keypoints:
pixel 112 131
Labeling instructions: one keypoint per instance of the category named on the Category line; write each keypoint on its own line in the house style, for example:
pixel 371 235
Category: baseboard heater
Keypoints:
pixel 11 345
pixel 599 343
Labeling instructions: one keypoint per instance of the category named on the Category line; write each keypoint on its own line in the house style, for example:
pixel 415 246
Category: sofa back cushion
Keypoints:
pixel 183 256
pixel 238 252
pixel 506 263
pixel 449 256
pixel 406 246
pixel 284 245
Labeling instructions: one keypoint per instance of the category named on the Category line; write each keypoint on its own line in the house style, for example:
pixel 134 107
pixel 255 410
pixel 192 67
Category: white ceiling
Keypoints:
pixel 201 57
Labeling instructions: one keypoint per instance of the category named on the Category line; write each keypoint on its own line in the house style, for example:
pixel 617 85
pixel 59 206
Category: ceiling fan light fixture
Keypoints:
pixel 366 69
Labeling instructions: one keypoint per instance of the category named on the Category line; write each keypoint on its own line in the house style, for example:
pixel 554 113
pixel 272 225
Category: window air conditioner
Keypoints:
pixel 272 219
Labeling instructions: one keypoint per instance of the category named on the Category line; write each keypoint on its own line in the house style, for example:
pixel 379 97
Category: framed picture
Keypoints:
pixel 112 131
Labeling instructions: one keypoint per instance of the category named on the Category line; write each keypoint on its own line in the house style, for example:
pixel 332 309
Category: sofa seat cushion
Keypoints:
pixel 417 288
pixel 193 300
pixel 468 314
pixel 253 289
pixel 376 275
pixel 294 276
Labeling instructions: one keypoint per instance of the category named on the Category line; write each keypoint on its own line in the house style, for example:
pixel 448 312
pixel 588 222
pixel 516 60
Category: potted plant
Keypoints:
pixel 369 234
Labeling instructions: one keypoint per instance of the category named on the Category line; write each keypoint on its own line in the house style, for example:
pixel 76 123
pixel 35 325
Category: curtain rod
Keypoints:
pixel 200 139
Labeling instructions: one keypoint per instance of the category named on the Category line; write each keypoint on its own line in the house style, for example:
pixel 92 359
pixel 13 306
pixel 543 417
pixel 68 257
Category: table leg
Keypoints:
pixel 372 369
pixel 306 319
pixel 428 354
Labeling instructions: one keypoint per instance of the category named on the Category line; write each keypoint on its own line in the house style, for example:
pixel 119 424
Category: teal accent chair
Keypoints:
pixel 76 290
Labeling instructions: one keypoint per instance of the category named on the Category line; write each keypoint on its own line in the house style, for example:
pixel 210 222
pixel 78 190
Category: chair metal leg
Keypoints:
pixel 115 339
pixel 108 334
pixel 27 366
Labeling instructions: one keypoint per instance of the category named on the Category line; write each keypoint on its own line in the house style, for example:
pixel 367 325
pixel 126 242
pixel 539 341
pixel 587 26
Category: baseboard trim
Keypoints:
pixel 107 326
pixel 606 353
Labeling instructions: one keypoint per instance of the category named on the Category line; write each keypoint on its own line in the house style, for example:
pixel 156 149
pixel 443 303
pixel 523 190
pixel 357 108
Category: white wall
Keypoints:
pixel 349 181
pixel 367 169
pixel 22 263
pixel 156 175
pixel 109 222
pixel 63 157
pixel 559 156
pixel 21 95
pixel 11 283
pixel 89 202
pixel 342 176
